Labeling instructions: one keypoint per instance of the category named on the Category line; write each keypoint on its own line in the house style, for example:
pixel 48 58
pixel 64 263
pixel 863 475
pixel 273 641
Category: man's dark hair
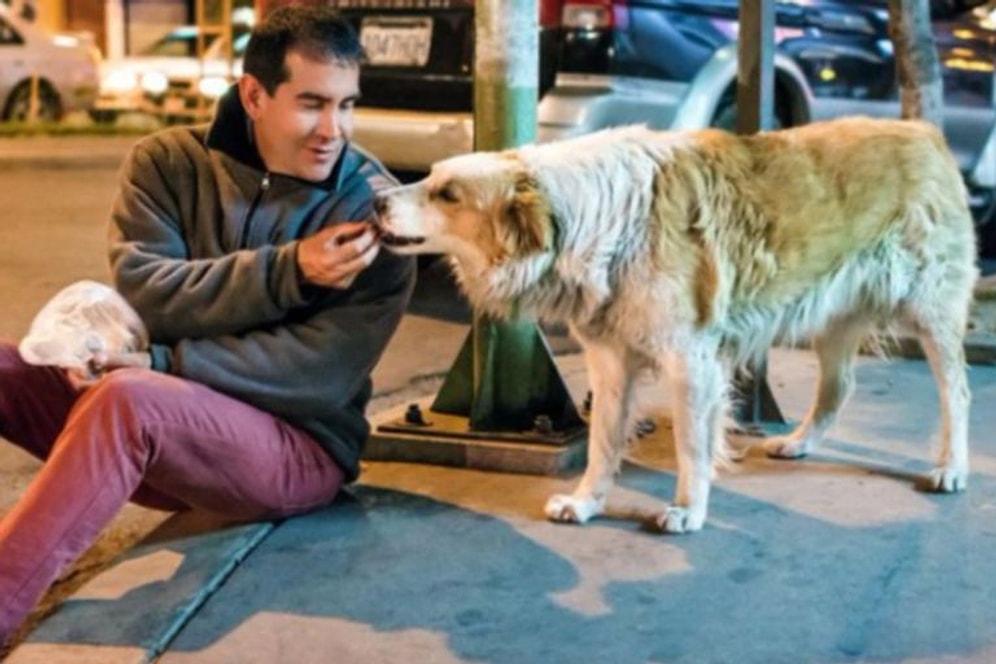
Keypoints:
pixel 316 31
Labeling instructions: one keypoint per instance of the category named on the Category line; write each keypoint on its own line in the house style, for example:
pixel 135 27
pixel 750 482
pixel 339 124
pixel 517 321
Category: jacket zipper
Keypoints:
pixel 264 185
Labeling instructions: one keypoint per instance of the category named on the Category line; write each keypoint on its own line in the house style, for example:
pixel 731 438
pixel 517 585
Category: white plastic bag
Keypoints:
pixel 82 319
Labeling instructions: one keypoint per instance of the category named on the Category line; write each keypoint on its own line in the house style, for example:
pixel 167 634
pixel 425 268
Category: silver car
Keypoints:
pixel 44 75
pixel 167 79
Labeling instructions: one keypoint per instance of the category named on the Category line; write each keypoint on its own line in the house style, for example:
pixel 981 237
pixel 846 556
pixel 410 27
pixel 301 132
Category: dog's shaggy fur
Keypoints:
pixel 692 252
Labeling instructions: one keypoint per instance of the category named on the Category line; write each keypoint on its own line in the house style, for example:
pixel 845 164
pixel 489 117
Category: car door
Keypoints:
pixel 13 67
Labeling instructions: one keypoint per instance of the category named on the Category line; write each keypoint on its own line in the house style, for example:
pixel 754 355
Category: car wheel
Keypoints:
pixel 19 104
pixel 725 116
pixel 985 227
pixel 104 116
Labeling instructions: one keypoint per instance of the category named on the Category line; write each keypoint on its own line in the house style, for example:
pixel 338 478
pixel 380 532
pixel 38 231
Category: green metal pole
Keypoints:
pixel 506 366
pixel 506 76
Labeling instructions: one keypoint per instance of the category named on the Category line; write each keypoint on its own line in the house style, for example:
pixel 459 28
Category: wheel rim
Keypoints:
pixel 19 108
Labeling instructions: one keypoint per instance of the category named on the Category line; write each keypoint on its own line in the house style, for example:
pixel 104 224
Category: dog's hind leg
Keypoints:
pixel 698 383
pixel 612 382
pixel 835 348
pixel 942 344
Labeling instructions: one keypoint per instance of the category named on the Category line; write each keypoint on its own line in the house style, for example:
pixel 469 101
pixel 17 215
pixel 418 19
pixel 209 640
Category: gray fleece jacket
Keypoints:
pixel 203 244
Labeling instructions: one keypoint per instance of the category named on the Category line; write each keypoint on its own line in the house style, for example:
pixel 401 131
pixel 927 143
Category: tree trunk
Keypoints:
pixel 918 68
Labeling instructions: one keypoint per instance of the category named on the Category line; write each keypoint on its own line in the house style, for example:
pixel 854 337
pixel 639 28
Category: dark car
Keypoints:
pixel 668 64
pixel 672 64
pixel 418 84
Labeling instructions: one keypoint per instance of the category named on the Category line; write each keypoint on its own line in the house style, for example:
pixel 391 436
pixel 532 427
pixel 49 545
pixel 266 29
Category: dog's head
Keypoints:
pixel 483 209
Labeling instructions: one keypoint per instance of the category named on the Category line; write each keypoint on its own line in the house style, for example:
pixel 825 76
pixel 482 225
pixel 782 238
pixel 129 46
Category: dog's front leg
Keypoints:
pixel 612 386
pixel 698 383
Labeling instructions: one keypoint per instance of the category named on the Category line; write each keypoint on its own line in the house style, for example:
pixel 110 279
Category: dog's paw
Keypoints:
pixel 676 520
pixel 945 479
pixel 572 509
pixel 786 447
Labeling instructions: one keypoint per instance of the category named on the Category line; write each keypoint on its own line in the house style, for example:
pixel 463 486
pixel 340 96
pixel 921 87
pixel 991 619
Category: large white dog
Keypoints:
pixel 692 252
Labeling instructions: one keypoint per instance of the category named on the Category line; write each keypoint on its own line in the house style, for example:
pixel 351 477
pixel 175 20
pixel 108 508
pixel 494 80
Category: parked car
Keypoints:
pixel 833 58
pixel 62 66
pixel 670 64
pixel 418 83
pixel 168 79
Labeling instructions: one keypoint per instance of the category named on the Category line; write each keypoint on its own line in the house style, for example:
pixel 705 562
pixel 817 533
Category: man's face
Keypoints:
pixel 301 130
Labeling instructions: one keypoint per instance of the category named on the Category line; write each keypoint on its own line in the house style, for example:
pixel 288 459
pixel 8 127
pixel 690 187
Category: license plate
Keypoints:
pixel 397 42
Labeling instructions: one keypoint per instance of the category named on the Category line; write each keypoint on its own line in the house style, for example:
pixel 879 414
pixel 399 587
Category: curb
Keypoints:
pixel 980 348
pixel 64 152
pixel 115 604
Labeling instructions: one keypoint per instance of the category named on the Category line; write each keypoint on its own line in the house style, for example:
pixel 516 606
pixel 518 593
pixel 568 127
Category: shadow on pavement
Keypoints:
pixel 832 559
pixel 390 576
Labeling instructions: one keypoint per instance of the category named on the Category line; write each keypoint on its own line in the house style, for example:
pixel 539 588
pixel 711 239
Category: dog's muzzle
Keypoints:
pixel 400 241
pixel 385 236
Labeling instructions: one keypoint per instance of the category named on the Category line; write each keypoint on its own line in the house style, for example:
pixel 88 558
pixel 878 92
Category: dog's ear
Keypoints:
pixel 526 217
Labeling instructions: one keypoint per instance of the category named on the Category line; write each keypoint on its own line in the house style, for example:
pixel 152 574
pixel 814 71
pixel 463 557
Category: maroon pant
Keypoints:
pixel 156 439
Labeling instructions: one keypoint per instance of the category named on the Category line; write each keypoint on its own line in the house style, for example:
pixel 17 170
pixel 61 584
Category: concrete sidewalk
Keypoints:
pixel 834 558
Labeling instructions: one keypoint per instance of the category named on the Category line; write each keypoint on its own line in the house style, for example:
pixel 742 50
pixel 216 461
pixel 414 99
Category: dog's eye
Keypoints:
pixel 448 194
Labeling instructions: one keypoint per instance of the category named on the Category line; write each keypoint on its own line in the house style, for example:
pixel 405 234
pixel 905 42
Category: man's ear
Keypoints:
pixel 251 93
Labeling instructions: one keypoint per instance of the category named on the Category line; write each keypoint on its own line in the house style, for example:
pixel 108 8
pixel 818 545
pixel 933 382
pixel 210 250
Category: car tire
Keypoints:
pixel 104 117
pixel 725 116
pixel 19 103
pixel 985 228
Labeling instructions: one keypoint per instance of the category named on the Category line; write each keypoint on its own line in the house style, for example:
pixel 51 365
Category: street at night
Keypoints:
pixel 832 558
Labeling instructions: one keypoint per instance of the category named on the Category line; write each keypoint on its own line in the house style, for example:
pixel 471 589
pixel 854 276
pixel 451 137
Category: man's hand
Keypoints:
pixel 335 255
pixel 103 363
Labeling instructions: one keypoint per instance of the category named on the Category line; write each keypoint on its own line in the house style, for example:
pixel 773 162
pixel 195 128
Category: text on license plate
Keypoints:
pixel 399 42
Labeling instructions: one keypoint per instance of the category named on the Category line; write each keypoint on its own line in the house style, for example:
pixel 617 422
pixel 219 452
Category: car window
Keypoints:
pixel 8 35
pixel 239 47
pixel 182 43
pixel 177 44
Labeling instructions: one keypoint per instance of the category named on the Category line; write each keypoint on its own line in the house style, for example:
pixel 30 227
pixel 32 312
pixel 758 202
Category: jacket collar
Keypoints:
pixel 231 133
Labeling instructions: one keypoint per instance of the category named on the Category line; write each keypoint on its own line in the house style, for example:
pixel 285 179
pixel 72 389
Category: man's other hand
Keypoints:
pixel 335 255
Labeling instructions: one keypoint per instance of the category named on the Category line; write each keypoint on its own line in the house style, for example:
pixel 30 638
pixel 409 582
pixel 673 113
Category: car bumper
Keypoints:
pixel 119 103
pixel 580 104
pixel 80 98
pixel 412 140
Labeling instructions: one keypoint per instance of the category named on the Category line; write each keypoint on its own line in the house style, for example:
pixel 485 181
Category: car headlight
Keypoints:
pixel 65 41
pixel 155 82
pixel 213 87
pixel 119 82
